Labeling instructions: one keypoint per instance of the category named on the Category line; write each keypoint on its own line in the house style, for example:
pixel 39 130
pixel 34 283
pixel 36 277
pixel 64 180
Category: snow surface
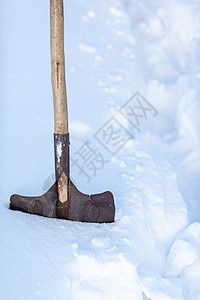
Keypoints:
pixel 113 49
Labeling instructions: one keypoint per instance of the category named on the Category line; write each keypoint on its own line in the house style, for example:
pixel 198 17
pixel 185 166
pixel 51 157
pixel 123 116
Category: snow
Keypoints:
pixel 58 151
pixel 114 49
pixel 80 130
pixel 87 49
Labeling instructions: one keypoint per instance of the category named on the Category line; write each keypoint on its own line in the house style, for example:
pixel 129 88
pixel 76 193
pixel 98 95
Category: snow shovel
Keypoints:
pixel 63 200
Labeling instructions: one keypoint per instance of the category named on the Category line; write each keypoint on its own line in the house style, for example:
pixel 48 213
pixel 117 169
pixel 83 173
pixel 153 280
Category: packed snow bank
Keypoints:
pixel 190 281
pixel 183 261
pixel 184 251
pixel 167 39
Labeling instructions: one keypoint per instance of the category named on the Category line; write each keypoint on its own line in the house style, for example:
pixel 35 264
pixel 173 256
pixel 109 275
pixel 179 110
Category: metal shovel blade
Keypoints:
pixel 97 208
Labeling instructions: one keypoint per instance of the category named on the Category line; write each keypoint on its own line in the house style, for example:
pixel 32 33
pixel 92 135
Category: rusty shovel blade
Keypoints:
pixel 97 208
pixel 63 200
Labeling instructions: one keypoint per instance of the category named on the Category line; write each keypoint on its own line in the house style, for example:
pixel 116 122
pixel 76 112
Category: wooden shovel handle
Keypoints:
pixel 58 67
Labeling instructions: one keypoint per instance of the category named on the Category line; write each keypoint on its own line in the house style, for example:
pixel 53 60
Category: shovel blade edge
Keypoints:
pixel 97 208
